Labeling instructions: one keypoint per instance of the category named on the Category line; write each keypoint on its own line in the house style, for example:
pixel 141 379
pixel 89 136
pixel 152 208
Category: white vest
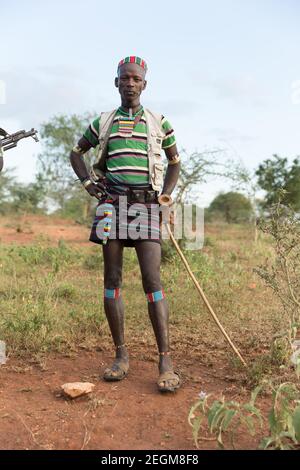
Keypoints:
pixel 155 135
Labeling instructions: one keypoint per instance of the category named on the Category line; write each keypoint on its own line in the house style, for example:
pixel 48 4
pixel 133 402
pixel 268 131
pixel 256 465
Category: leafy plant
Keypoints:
pixel 224 417
pixel 283 418
pixel 283 275
pixel 228 417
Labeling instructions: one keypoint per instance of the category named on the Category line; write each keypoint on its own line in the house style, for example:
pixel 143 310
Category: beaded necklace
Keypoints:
pixel 128 123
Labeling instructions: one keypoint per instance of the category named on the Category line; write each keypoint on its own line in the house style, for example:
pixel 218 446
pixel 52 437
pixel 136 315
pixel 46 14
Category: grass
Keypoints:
pixel 51 299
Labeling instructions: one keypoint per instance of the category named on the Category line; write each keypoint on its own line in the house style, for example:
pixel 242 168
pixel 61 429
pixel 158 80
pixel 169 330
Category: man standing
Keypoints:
pixel 131 139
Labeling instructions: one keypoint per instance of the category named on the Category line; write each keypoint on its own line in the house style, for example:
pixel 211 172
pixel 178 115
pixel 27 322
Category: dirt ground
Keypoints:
pixel 132 414
pixel 33 228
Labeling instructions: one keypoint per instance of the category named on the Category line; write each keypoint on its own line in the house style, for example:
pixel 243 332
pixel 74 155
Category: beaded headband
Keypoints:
pixel 133 60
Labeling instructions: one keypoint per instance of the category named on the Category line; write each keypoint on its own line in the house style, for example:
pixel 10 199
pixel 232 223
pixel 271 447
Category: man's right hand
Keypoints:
pixel 94 189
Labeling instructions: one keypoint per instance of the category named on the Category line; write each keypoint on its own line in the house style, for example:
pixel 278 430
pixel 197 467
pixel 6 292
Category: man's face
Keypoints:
pixel 130 82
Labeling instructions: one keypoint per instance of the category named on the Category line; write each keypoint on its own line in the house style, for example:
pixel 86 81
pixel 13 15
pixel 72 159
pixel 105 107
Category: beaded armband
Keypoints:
pixel 78 150
pixel 174 160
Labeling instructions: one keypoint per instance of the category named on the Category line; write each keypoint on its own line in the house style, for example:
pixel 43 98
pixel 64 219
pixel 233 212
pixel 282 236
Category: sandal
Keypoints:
pixel 117 371
pixel 166 377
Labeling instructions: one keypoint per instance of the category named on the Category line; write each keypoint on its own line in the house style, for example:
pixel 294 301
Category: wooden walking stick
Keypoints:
pixel 165 200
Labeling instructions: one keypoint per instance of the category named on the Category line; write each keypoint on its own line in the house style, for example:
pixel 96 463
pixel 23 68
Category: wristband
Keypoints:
pixel 87 182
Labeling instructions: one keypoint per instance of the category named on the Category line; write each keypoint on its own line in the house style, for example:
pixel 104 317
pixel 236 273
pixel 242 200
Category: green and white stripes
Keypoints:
pixel 127 162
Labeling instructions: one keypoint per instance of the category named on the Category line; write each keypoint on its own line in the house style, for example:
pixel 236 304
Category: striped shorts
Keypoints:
pixel 130 223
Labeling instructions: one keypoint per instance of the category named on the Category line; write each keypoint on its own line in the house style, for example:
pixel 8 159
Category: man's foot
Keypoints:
pixel 168 380
pixel 120 367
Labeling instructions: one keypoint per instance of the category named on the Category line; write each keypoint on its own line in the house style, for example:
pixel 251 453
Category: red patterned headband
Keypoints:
pixel 133 60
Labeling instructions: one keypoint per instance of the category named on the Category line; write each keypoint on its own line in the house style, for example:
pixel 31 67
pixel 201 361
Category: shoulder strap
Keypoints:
pixel 153 121
pixel 105 126
pixel 106 122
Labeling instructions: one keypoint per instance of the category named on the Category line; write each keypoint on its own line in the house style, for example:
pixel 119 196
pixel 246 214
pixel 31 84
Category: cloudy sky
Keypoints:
pixel 226 73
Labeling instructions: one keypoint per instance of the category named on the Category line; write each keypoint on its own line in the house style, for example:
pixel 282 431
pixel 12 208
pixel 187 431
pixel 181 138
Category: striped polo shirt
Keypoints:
pixel 127 160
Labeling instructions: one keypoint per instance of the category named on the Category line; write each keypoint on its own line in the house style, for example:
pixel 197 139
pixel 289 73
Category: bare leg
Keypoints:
pixel 149 256
pixel 114 307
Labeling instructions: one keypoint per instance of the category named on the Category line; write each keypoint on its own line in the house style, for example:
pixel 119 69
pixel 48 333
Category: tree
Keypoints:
pixel 20 197
pixel 245 181
pixel 6 180
pixel 280 181
pixel 233 207
pixel 28 197
pixel 59 136
pixel 197 168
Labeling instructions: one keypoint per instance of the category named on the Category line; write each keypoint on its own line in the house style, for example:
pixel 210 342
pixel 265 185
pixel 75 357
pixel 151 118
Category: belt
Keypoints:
pixel 142 195
pixel 136 195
